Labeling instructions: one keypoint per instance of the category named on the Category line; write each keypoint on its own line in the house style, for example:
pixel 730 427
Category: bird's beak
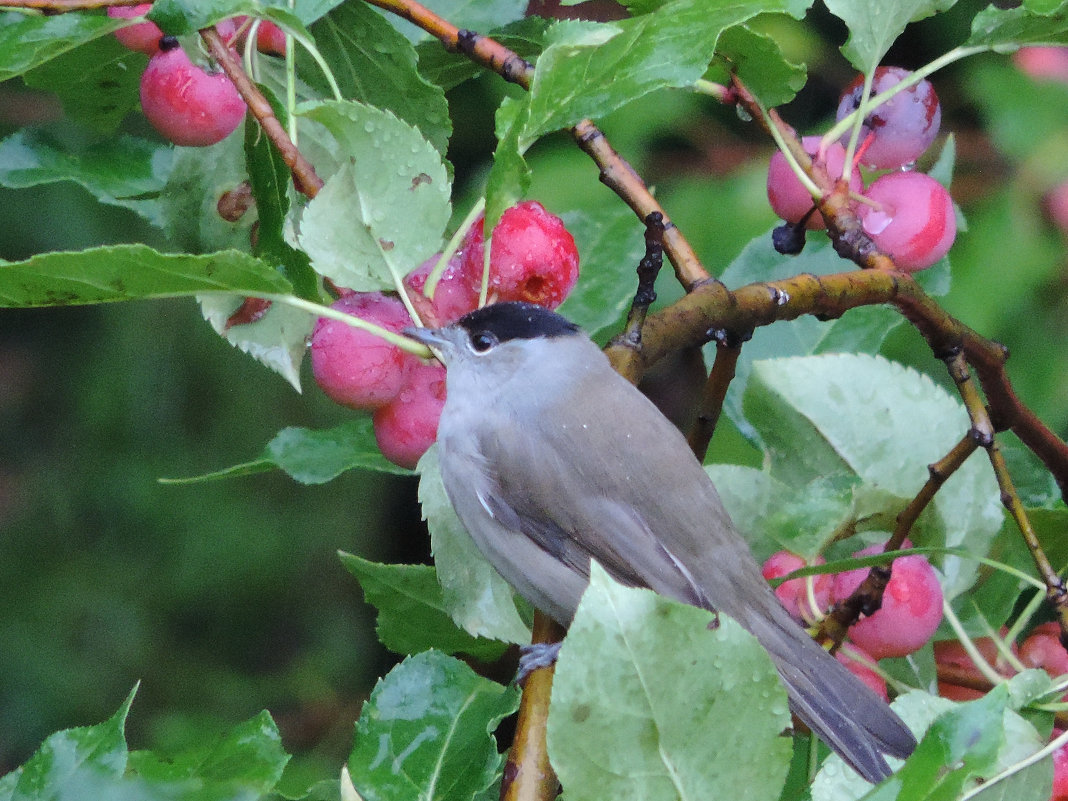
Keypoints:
pixel 431 337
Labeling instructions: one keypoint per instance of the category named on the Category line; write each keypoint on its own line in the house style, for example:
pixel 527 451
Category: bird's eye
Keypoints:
pixel 482 341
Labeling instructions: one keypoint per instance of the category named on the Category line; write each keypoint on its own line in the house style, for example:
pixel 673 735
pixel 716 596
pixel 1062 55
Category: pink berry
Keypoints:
pixel 454 296
pixel 271 39
pixel 900 129
pixel 144 36
pixel 533 259
pixel 186 104
pixel 354 367
pixel 911 608
pixel 950 656
pixel 848 657
pixel 1057 205
pixel 408 425
pixel 1043 649
pixel 789 199
pixel 1043 63
pixel 793 594
pixel 912 220
pixel 1060 770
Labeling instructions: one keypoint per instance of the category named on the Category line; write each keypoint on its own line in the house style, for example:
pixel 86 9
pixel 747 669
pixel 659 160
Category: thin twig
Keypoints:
pixel 728 349
pixel 648 269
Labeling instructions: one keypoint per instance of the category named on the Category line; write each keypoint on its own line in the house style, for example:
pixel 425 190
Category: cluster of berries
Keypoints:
pixel 910 613
pixel 187 104
pixel 908 215
pixel 532 258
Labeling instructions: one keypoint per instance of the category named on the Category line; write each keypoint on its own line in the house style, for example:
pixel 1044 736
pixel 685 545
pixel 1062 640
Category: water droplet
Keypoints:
pixel 743 115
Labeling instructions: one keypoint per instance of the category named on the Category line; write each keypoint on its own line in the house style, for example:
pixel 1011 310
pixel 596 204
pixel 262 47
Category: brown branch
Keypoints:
pixel 615 172
pixel 648 268
pixel 305 179
pixel 528 776
pixel 728 349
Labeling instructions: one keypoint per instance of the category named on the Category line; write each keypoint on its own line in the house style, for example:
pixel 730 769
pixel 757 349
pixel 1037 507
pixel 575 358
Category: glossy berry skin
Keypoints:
pixel 951 654
pixel 910 612
pixel 874 681
pixel 271 39
pixel 913 220
pixel 184 103
pixel 454 296
pixel 408 425
pixel 1060 770
pixel 144 36
pixel 793 594
pixel 354 367
pixel 533 257
pixel 1043 649
pixel 788 198
pixel 903 127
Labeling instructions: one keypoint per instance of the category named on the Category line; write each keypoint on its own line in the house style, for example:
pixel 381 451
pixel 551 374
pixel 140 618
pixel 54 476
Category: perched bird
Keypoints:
pixel 551 458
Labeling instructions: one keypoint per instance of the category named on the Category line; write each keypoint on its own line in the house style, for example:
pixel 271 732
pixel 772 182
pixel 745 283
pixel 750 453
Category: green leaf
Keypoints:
pixel 131 272
pixel 611 242
pixel 28 41
pixel 477 598
pixel 411 610
pixel 425 732
pixel 369 226
pixel 872 29
pixel 821 415
pixel 97 82
pixel 315 457
pixel 1006 29
pixel 374 64
pixel 246 762
pixel 120 171
pixel 750 496
pixel 70 763
pixel 760 63
pixel 179 17
pixel 648 702
pixel 278 339
pixel 862 329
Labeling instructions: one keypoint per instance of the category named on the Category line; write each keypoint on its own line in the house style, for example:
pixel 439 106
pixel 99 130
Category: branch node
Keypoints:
pixel 984 439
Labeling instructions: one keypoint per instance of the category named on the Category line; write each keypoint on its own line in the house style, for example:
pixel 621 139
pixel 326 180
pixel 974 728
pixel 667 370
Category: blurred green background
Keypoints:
pixel 225 598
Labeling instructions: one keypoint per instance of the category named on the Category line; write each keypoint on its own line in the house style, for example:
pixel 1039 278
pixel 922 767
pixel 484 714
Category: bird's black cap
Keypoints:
pixel 516 320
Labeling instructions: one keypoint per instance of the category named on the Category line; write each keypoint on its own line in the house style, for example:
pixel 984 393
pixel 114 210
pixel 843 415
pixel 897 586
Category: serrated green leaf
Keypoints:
pixel 120 171
pixel 179 17
pixel 245 762
pixel 862 329
pixel 807 519
pixel 74 761
pixel 97 82
pixel 277 340
pixel 611 242
pixel 411 610
pixel 29 41
pixel 315 457
pixel 476 596
pixel 509 177
pixel 370 226
pixel 647 702
pixel 374 64
pixel 821 415
pixel 425 732
pixel 759 62
pixel 873 28
pixel 131 272
pixel 750 496
pixel 1005 29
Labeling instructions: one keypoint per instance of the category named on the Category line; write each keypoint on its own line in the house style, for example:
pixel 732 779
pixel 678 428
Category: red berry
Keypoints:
pixel 911 608
pixel 950 654
pixel 793 594
pixel 1043 649
pixel 913 220
pixel 903 127
pixel 408 425
pixel 1060 770
pixel 271 39
pixel 144 36
pixel 788 198
pixel 533 257
pixel 186 104
pixel 1043 63
pixel 847 656
pixel 454 296
pixel 354 367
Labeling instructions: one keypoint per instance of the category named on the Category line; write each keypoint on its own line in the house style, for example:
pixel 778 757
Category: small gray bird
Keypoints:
pixel 551 458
